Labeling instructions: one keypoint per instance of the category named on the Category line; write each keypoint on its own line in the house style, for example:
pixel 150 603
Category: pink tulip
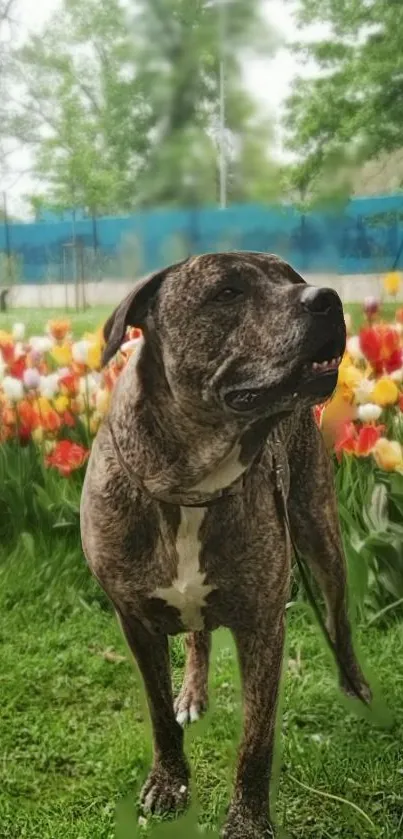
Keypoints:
pixel 31 378
pixel 371 307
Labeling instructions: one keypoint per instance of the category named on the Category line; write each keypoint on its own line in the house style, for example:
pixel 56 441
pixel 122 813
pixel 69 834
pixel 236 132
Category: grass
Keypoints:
pixel 36 319
pixel 75 738
pixel 92 318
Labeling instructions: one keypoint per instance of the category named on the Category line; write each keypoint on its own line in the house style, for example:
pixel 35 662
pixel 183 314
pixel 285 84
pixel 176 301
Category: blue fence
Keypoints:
pixel 363 237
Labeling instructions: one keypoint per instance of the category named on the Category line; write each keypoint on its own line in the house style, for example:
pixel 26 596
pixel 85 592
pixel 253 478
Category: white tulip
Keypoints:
pixel 80 351
pixel 363 391
pixel 41 343
pixel 3 366
pixel 397 376
pixel 18 350
pixel 369 412
pixel 348 321
pixel 18 331
pixel 89 384
pixel 353 348
pixel 13 388
pixel 49 385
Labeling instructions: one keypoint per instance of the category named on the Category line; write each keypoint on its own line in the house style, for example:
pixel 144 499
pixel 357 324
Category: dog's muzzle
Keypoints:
pixel 316 369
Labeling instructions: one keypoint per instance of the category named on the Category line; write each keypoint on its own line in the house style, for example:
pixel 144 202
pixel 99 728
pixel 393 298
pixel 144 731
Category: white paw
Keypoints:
pixel 185 716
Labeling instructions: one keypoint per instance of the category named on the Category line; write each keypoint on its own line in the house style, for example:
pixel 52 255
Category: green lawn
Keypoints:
pixel 75 746
pixel 36 319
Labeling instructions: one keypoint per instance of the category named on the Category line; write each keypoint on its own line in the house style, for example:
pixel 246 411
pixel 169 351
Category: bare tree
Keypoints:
pixel 7 8
pixel 6 12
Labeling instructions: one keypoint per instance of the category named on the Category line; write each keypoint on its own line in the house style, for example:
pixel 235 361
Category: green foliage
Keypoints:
pixel 120 104
pixel 351 111
pixel 371 514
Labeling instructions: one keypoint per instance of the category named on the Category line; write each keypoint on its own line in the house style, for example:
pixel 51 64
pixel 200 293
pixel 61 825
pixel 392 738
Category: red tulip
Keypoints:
pixel 66 457
pixel 381 346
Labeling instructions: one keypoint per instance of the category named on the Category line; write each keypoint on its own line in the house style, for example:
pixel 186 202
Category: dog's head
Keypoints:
pixel 239 333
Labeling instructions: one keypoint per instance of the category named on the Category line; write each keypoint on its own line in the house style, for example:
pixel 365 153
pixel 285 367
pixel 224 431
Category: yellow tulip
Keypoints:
pixel 37 435
pixel 349 377
pixel 335 414
pixel 391 283
pixel 6 337
pixel 44 405
pixel 78 405
pixel 94 356
pixel 388 455
pixel 95 422
pixel 61 353
pixel 102 400
pixel 61 404
pixel 385 392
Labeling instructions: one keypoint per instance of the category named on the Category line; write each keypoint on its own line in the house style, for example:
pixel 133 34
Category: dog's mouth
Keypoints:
pixel 316 378
pixel 326 361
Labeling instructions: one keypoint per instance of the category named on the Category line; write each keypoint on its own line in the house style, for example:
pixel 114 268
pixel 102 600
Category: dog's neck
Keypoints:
pixel 173 453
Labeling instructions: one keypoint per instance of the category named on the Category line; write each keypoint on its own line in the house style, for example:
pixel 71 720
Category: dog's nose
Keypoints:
pixel 320 301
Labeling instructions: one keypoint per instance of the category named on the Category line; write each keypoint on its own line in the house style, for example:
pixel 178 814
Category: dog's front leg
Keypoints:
pixel 192 701
pixel 260 652
pixel 166 789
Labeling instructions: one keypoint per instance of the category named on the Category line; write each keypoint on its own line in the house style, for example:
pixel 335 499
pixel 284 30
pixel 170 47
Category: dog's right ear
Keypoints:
pixel 132 311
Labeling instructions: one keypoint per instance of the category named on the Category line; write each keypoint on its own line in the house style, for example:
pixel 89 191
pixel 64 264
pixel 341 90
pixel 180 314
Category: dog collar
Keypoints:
pixel 190 499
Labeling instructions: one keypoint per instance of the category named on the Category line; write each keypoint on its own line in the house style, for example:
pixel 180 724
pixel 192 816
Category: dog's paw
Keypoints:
pixel 165 791
pixel 191 703
pixel 359 688
pixel 240 825
pixel 247 830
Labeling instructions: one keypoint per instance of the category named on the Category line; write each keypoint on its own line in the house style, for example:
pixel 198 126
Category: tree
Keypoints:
pixel 351 111
pixel 6 17
pixel 120 103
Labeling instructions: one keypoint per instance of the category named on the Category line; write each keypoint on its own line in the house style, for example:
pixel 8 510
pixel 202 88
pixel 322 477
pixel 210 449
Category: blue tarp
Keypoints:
pixel 362 237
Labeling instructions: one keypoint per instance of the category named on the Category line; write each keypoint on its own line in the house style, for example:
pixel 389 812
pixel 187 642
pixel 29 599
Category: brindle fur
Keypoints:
pixel 173 432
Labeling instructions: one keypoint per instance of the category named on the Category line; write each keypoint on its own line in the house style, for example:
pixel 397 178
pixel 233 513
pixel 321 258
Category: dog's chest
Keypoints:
pixel 188 589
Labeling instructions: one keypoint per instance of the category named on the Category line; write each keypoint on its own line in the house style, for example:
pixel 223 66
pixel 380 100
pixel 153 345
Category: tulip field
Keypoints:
pixel 75 746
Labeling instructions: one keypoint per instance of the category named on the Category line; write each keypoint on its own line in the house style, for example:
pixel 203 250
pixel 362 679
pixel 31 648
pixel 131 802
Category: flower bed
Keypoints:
pixel 53 396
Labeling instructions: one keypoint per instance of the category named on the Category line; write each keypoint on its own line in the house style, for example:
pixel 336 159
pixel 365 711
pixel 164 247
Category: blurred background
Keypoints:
pixel 135 133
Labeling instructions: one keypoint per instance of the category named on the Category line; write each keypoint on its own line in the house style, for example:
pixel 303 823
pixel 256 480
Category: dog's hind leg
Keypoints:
pixel 166 789
pixel 312 508
pixel 260 653
pixel 192 701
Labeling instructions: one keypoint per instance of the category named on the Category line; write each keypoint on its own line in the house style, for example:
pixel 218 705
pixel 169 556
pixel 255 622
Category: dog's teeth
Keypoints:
pixel 315 365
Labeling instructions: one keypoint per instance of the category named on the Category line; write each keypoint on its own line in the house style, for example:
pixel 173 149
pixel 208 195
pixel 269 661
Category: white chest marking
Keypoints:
pixel 188 591
pixel 224 475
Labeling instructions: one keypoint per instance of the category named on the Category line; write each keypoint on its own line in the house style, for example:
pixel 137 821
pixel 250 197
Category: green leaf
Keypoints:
pixel 28 543
pixel 377 514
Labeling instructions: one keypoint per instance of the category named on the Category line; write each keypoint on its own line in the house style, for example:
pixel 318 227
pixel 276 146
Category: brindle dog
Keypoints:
pixel 180 523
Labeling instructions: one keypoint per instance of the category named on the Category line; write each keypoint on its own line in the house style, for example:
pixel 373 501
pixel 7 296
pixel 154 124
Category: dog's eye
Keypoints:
pixel 227 295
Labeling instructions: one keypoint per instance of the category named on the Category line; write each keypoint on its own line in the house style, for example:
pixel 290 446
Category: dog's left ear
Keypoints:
pixel 132 311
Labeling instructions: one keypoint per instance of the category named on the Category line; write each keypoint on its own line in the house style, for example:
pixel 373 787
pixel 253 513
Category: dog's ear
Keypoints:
pixel 132 311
